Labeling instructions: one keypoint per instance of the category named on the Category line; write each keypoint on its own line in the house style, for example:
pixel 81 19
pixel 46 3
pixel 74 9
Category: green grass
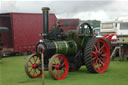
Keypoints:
pixel 12 73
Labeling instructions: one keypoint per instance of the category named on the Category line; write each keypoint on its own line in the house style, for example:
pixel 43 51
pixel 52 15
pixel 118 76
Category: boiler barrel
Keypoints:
pixel 65 47
pixel 57 47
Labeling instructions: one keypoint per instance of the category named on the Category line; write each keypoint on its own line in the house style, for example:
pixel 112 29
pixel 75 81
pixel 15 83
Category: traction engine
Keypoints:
pixel 64 52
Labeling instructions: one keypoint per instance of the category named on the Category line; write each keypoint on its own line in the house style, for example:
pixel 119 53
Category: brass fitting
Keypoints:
pixel 45 8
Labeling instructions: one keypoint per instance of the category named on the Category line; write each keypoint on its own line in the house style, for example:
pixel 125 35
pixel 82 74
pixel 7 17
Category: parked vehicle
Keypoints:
pixel 118 30
pixel 24 31
pixel 97 32
pixel 2 30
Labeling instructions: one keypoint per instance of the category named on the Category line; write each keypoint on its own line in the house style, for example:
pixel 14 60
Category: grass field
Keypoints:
pixel 12 73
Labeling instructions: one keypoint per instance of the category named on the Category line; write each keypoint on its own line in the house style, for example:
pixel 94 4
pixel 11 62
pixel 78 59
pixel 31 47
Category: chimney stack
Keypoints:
pixel 45 21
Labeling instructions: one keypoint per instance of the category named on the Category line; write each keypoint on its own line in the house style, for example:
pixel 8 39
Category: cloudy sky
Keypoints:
pixel 83 9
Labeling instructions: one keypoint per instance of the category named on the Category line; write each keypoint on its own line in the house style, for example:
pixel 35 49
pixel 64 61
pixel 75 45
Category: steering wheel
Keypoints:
pixel 85 28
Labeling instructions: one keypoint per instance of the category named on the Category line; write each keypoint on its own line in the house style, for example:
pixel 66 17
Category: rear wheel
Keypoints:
pixel 58 67
pixel 97 55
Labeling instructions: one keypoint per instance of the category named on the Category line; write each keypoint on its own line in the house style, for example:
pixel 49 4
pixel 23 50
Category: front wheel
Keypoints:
pixel 97 55
pixel 58 67
pixel 31 66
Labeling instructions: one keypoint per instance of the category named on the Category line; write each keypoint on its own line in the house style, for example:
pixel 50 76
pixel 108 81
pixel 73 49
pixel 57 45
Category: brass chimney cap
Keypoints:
pixel 45 8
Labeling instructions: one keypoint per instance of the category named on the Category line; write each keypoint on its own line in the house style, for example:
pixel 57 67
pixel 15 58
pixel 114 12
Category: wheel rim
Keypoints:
pixel 100 56
pixel 58 67
pixel 31 66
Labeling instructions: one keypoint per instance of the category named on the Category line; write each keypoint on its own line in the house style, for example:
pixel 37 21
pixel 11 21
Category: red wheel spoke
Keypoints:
pixel 63 68
pixel 53 69
pixel 39 62
pixel 98 66
pixel 60 60
pixel 102 59
pixel 98 45
pixel 94 53
pixel 29 66
pixel 30 70
pixel 62 71
pixel 96 62
pixel 102 47
pixel 100 51
pixel 54 61
pixel 62 64
pixel 104 55
pixel 53 65
pixel 36 72
pixel 95 48
pixel 30 61
pixel 34 59
pixel 94 58
pixel 57 73
pixel 101 62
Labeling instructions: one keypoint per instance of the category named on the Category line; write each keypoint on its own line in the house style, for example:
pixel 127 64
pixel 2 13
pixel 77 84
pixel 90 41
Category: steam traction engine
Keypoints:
pixel 68 52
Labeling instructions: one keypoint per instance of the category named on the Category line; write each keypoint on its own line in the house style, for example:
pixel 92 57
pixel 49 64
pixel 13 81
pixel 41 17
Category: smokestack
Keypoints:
pixel 45 21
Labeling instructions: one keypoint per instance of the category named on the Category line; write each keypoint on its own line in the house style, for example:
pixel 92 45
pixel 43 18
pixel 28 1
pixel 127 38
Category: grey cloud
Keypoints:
pixel 91 9
pixel 57 6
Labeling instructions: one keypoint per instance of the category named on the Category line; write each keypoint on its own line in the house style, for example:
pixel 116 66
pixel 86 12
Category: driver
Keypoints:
pixel 56 33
